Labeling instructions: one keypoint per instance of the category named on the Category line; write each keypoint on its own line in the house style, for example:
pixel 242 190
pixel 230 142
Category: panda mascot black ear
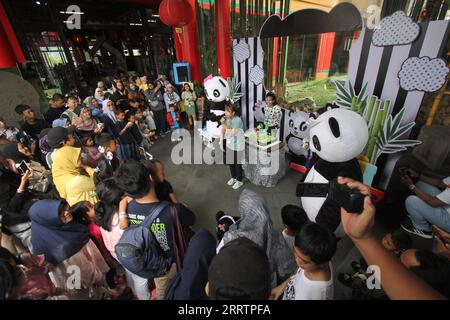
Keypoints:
pixel 312 115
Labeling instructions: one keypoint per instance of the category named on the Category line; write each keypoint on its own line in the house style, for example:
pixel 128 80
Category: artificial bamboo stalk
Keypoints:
pixel 353 106
pixel 385 114
pixel 374 129
pixel 369 112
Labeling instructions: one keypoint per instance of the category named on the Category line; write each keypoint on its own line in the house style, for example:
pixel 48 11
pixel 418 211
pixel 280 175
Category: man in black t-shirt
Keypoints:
pixel 31 125
pixel 57 108
pixel 135 180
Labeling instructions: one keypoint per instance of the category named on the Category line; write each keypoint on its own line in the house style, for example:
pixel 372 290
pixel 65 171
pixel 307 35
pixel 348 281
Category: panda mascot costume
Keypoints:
pixel 337 137
pixel 217 91
pixel 298 123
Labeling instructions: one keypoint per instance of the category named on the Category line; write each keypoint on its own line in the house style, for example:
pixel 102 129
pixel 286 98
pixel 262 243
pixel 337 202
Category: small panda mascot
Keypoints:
pixel 298 130
pixel 259 112
pixel 216 90
pixel 337 137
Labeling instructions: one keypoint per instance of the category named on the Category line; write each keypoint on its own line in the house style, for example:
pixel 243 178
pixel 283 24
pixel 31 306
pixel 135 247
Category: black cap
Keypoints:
pixel 240 271
pixel 20 108
pixel 56 135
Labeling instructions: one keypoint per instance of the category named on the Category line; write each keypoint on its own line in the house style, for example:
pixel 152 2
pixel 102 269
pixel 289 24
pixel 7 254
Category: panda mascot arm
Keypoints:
pixel 337 137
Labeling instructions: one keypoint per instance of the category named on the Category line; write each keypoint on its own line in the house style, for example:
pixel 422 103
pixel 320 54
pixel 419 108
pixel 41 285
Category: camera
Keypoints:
pixel 350 199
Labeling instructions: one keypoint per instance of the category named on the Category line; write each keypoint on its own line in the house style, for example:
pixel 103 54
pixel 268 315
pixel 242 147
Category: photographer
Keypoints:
pixel 18 160
pixel 359 228
pixel 15 200
pixel 430 204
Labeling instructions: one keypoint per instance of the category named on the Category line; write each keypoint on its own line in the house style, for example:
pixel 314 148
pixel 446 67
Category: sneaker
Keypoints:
pixel 237 185
pixel 345 279
pixel 409 227
pixel 231 182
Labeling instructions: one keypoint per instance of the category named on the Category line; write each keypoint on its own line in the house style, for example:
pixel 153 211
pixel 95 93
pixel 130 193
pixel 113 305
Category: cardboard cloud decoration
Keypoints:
pixel 396 29
pixel 241 51
pixel 343 17
pixel 256 75
pixel 423 74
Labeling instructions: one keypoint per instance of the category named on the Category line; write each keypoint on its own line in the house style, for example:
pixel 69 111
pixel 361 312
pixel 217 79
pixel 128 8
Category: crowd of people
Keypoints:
pixel 87 214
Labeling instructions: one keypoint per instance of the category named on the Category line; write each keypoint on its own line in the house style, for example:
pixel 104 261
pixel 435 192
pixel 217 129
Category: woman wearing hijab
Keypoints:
pixel 99 95
pixel 66 245
pixel 109 118
pixel 73 181
pixel 134 92
pixel 256 225
pixel 93 105
pixel 190 282
pixel 87 124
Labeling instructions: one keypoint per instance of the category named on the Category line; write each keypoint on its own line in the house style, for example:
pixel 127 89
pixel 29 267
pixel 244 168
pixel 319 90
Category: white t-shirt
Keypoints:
pixel 444 196
pixel 302 288
pixel 289 239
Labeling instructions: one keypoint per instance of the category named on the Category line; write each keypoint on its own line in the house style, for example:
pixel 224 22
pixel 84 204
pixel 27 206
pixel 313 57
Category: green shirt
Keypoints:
pixel 235 142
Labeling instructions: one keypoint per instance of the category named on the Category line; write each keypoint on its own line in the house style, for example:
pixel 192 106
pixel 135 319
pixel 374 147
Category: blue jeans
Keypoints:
pixel 423 215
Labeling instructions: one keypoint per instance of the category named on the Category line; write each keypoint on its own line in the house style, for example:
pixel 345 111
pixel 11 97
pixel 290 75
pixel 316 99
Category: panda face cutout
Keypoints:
pixel 298 124
pixel 216 89
pixel 338 135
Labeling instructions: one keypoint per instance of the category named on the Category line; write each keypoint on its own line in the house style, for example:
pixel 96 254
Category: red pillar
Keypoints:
pixel 223 37
pixel 324 55
pixel 10 51
pixel 190 44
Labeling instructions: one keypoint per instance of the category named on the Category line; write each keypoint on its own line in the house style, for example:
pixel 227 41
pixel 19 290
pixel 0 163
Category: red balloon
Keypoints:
pixel 175 13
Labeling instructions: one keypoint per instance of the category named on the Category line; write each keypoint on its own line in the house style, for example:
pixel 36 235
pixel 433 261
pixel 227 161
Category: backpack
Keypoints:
pixel 139 251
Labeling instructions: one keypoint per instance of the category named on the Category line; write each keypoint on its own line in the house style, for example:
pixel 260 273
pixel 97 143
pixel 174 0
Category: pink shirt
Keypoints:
pixel 110 238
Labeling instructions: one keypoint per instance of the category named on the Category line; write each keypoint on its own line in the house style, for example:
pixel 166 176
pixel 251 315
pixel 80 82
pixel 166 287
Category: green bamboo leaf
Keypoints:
pixel 402 130
pixel 362 92
pixel 342 90
pixel 396 122
pixel 351 90
pixel 404 143
pixel 341 97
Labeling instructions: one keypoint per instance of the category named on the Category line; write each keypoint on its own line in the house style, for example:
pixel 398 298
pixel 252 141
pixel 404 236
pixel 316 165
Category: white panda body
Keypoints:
pixel 312 205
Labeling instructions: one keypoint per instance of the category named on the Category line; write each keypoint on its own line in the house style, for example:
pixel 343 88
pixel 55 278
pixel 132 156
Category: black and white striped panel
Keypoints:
pixel 252 92
pixel 379 66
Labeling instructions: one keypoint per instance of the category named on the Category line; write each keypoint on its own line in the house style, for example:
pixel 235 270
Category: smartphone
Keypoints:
pixel 22 167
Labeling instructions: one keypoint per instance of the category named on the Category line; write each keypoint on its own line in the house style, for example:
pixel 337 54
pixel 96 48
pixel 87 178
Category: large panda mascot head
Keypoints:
pixel 338 135
pixel 216 89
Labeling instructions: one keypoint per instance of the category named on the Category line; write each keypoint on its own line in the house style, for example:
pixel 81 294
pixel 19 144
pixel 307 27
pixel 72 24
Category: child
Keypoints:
pixel 70 113
pixel 224 221
pixel 314 248
pixel 396 242
pixel 147 132
pixel 293 218
pixel 128 146
pixel 173 118
pixel 91 151
pixel 107 146
pixel 163 188
pixel 233 134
